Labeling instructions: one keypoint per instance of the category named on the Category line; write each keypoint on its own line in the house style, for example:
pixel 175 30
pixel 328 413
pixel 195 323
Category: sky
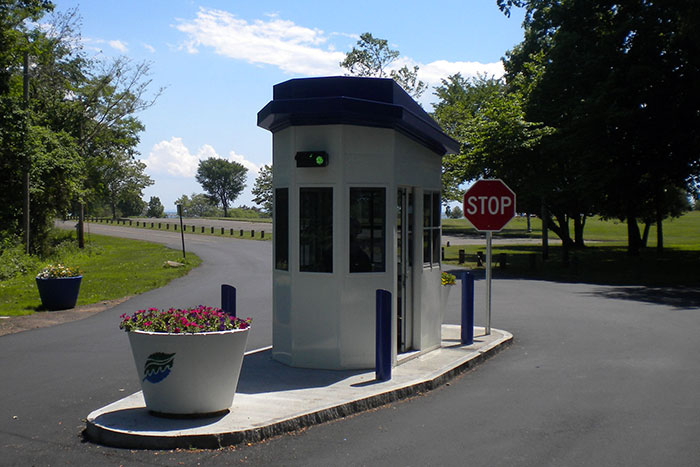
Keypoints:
pixel 219 60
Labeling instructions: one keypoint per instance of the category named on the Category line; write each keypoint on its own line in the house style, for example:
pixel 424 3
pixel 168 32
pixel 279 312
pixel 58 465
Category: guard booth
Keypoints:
pixel 356 177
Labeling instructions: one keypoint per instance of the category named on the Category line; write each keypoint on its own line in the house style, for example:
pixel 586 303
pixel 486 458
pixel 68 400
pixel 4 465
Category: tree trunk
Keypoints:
pixel 545 232
pixel 81 226
pixel 634 239
pixel 562 229
pixel 659 234
pixel 645 235
pixel 579 224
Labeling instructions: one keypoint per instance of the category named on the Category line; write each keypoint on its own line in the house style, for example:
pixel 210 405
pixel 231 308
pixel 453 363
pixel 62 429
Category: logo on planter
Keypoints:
pixel 158 366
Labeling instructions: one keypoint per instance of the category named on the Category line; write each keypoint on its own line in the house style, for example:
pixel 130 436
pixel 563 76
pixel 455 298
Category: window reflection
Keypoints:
pixel 367 229
pixel 316 229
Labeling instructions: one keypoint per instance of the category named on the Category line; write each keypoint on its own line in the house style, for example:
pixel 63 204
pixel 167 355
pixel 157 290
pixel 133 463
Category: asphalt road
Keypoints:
pixel 597 376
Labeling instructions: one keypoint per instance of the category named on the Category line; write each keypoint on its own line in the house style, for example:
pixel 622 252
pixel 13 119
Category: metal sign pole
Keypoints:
pixel 488 283
pixel 489 205
pixel 182 231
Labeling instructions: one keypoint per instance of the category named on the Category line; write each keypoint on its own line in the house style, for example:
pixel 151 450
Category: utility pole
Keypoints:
pixel 27 219
pixel 81 213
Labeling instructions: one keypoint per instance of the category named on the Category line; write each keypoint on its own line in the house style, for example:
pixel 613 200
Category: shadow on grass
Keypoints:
pixel 673 270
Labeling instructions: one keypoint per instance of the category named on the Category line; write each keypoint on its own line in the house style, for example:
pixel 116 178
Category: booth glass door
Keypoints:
pixel 404 259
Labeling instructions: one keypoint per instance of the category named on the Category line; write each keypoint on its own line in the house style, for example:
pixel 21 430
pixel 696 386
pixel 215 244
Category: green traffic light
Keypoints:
pixel 311 158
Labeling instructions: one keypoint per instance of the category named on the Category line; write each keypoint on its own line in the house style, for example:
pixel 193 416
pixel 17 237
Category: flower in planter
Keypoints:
pixel 52 271
pixel 179 321
pixel 448 279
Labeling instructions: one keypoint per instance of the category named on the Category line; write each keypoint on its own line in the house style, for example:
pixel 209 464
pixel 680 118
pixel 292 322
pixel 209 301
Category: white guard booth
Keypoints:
pixel 356 177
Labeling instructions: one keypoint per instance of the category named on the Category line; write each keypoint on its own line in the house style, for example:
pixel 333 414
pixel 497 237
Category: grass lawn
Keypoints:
pixel 111 267
pixel 603 261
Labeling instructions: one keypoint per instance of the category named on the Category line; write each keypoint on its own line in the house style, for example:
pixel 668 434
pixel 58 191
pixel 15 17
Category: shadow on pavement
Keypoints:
pixel 681 298
pixel 260 373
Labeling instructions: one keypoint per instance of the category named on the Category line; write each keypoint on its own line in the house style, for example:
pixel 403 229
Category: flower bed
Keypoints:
pixel 182 321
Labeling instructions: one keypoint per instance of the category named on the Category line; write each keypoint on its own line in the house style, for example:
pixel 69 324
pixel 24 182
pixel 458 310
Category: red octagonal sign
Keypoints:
pixel 489 205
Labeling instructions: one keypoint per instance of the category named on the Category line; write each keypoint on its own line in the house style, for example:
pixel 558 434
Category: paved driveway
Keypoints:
pixel 597 376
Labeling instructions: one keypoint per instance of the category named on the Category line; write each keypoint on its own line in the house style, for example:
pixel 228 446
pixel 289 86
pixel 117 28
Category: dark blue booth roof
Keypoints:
pixel 376 102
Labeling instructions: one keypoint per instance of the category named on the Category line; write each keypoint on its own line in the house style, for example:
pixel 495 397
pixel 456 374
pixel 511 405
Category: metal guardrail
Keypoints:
pixel 217 231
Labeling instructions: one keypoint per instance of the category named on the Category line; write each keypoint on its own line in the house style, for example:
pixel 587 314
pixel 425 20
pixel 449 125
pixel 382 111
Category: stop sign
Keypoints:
pixel 489 205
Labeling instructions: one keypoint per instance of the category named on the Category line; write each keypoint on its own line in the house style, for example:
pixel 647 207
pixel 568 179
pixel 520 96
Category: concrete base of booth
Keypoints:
pixel 272 398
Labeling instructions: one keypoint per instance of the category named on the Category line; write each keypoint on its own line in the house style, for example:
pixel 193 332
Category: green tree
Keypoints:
pixel 487 117
pixel 30 57
pixel 223 180
pixel 155 208
pixel 373 57
pixel 57 174
pixel 65 104
pixel 121 178
pixel 262 190
pixel 109 96
pixel 131 204
pixel 198 205
pixel 618 82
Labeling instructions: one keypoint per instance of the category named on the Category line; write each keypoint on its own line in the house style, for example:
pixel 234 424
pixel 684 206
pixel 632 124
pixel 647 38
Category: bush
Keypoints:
pixel 243 212
pixel 15 262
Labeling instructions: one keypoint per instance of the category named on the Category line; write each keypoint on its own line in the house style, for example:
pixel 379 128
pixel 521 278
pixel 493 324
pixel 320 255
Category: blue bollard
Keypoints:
pixel 383 336
pixel 228 299
pixel 467 335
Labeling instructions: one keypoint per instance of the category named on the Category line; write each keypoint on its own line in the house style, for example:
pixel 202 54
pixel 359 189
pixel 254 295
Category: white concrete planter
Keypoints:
pixel 188 374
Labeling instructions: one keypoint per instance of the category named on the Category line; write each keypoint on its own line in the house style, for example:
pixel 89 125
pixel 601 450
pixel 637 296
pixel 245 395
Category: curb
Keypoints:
pixel 101 435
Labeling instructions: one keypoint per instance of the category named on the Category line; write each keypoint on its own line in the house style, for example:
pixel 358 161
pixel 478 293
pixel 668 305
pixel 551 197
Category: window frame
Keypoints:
pixel 381 243
pixel 281 231
pixel 431 229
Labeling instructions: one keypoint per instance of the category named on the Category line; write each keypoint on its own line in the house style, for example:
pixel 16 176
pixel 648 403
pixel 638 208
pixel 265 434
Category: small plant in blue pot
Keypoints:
pixel 58 286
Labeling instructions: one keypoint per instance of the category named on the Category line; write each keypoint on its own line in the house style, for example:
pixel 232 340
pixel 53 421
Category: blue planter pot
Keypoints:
pixel 59 293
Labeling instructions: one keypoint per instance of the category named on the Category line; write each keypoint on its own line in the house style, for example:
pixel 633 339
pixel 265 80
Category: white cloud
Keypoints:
pixel 119 45
pixel 251 166
pixel 149 47
pixel 435 71
pixel 294 49
pixel 174 158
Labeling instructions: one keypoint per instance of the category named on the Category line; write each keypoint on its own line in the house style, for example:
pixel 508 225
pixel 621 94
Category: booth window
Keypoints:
pixel 282 229
pixel 431 228
pixel 316 229
pixel 367 229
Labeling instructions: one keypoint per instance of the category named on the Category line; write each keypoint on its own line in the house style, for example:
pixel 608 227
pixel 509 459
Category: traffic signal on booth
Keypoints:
pixel 312 159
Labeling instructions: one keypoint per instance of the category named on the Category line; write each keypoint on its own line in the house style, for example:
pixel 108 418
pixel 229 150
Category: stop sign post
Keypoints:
pixel 489 205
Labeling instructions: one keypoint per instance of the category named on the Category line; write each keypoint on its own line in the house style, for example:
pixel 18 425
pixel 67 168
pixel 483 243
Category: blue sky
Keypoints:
pixel 218 61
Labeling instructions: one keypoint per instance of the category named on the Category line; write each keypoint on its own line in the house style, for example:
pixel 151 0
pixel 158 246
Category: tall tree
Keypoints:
pixel 373 57
pixel 619 82
pixel 37 159
pixel 155 208
pixel 66 104
pixel 487 117
pixel 121 178
pixel 262 190
pixel 223 180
